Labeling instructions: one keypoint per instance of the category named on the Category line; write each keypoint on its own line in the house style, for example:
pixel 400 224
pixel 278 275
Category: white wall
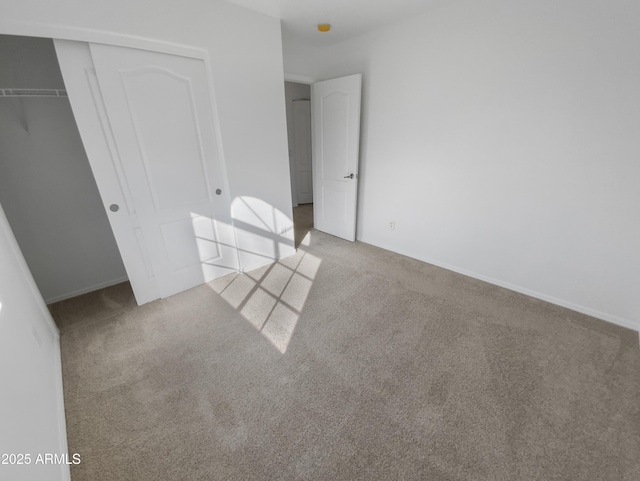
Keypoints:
pixel 46 186
pixel 245 53
pixel 32 420
pixel 293 91
pixel 502 137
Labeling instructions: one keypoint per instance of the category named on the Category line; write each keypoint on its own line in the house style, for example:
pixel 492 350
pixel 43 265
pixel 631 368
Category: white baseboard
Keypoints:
pixel 85 290
pixel 629 324
pixel 65 474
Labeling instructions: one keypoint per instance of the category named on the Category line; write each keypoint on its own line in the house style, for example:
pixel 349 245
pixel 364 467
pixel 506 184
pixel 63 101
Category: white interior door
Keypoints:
pixel 302 150
pixel 87 104
pixel 163 182
pixel 336 144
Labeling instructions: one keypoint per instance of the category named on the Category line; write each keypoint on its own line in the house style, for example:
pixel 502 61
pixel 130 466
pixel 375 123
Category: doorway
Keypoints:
pixel 324 155
pixel 47 188
pixel 298 108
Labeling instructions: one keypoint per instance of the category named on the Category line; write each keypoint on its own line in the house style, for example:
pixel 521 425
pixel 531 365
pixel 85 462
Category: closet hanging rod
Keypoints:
pixel 33 93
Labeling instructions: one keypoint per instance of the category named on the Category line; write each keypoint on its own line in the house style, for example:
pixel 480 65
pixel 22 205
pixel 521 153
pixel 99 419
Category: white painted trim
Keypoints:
pixel 62 425
pixel 62 32
pixel 62 421
pixel 301 79
pixel 85 290
pixel 4 224
pixel 629 324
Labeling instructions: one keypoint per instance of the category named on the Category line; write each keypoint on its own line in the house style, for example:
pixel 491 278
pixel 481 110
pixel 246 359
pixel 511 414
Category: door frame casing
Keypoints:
pixel 91 35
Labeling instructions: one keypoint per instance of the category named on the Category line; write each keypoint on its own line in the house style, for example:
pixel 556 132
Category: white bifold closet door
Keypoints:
pixel 162 182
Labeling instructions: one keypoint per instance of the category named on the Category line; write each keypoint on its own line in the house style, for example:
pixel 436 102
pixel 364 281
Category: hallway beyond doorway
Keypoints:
pixel 302 222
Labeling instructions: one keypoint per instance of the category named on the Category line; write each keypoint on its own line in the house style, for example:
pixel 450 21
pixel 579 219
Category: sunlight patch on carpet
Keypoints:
pixel 272 297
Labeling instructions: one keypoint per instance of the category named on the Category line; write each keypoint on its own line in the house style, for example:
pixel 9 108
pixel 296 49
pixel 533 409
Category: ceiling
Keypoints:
pixel 348 18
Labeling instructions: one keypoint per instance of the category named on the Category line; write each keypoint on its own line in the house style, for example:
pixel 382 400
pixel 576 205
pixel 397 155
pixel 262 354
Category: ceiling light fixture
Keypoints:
pixel 324 27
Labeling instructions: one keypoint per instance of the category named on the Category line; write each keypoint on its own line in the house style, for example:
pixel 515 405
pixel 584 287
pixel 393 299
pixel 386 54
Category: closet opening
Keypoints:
pixel 47 188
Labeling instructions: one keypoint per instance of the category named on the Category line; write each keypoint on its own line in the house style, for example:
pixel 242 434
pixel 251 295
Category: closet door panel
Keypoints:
pixel 160 110
pixel 88 108
pixel 148 123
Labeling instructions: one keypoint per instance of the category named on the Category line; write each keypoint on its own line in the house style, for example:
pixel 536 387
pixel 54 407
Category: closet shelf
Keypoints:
pixel 33 93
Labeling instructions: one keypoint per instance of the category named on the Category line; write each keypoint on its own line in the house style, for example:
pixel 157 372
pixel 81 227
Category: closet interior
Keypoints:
pixel 47 188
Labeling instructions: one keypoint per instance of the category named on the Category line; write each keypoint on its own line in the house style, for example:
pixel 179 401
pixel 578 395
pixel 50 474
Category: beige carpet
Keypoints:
pixel 347 362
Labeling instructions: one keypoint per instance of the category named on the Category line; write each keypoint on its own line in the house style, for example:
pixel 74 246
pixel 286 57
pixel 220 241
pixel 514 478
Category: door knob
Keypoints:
pixel 350 176
pixel 114 207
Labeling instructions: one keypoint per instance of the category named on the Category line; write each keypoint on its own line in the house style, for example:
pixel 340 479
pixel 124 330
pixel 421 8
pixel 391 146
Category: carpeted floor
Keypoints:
pixel 346 362
pixel 303 222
